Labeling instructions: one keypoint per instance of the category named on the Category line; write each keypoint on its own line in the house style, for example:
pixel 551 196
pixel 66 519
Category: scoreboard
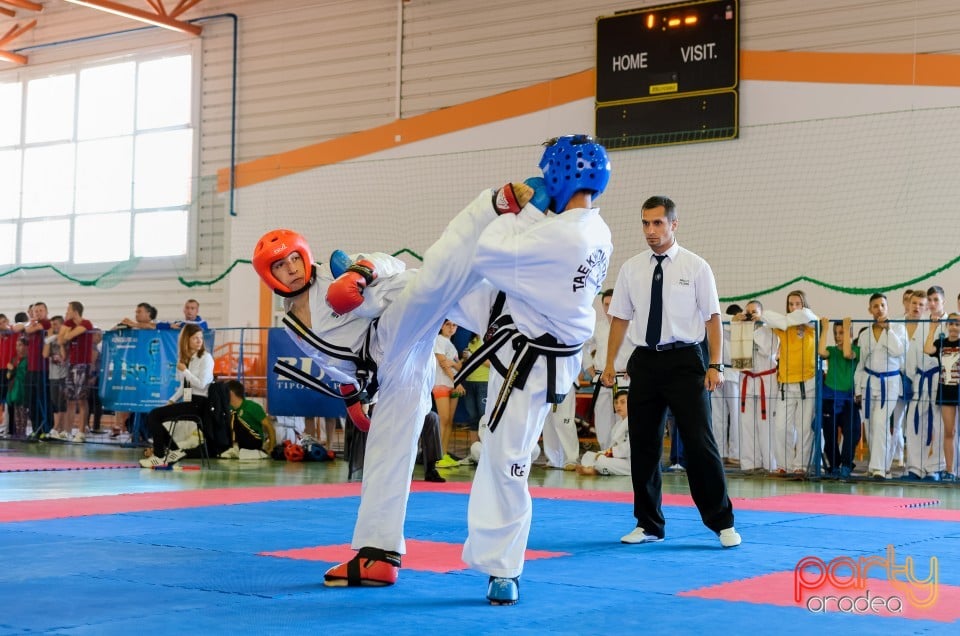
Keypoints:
pixel 668 74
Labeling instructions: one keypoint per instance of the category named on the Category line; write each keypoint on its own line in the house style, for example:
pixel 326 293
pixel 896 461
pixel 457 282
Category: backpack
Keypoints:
pixel 216 425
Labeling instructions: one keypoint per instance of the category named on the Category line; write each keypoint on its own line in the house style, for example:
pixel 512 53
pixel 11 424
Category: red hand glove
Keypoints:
pixel 346 293
pixel 511 198
pixel 355 409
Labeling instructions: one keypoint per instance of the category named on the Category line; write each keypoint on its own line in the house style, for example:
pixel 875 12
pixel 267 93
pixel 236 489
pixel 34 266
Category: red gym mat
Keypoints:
pixel 27 464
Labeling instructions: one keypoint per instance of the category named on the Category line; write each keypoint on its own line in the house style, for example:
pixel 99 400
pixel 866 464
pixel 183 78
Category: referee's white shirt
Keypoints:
pixel 689 296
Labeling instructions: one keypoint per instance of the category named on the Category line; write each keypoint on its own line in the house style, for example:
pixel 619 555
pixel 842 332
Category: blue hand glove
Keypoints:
pixel 339 262
pixel 540 200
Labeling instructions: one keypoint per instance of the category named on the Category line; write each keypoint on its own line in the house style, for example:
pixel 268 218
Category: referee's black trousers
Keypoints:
pixel 673 379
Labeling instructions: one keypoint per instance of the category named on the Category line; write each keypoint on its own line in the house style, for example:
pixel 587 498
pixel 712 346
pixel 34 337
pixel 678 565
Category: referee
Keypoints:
pixel 665 301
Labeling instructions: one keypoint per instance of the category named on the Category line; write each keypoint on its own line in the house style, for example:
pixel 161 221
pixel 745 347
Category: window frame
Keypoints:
pixel 25 74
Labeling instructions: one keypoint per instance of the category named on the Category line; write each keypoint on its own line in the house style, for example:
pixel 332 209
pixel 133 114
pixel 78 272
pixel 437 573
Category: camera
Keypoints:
pixel 749 315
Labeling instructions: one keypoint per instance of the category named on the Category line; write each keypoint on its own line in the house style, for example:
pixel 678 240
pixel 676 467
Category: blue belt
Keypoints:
pixel 928 376
pixel 883 388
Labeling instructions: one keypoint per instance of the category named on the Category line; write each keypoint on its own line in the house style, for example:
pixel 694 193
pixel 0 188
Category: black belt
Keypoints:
pixel 670 346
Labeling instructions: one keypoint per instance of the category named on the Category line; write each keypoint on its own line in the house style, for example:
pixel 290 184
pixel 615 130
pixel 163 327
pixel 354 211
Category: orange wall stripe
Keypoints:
pixel 446 120
pixel 894 69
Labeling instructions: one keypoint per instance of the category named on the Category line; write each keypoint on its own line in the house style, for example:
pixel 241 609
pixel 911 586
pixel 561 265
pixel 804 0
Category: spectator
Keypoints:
pixel 94 405
pixel 191 316
pixel 145 317
pixel 725 401
pixel 38 397
pixel 840 412
pixel 8 349
pixel 76 337
pixel 924 426
pixel 194 375
pixel 475 385
pixel 916 305
pixel 614 460
pixel 250 428
pixel 594 356
pixel 794 410
pixel 947 351
pixel 56 375
pixel 445 393
pixel 17 391
pixel 758 389
pixel 882 346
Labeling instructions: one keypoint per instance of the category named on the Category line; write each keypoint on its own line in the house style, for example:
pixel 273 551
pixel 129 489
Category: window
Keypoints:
pixel 97 161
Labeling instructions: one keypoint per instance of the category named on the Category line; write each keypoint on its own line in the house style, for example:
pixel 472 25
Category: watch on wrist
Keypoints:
pixel 718 367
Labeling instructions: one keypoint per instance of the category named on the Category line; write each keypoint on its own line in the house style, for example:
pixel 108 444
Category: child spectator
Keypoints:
pixel 616 459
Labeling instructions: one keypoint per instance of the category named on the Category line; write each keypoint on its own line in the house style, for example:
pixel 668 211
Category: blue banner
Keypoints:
pixel 138 369
pixel 286 397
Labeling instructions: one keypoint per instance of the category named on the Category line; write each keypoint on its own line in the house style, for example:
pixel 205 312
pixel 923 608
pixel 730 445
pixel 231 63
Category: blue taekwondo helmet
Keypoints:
pixel 571 163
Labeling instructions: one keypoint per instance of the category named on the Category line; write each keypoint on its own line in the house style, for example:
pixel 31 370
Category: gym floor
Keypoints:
pixel 110 548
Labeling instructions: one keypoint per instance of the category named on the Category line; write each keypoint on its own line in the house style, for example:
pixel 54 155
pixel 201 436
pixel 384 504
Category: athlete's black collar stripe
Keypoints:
pixel 332 350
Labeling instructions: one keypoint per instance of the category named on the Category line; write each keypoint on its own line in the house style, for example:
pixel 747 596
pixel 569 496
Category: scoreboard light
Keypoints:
pixel 693 46
pixel 669 71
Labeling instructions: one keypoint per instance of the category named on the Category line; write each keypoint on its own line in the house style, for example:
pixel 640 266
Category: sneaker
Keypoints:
pixel 468 461
pixel 231 453
pixel 152 462
pixel 78 437
pixel 676 468
pixel 174 456
pixel 503 591
pixel 447 462
pixel 908 476
pixel 250 454
pixel 947 476
pixel 934 477
pixel 639 535
pixel 877 475
pixel 730 538
pixel 845 472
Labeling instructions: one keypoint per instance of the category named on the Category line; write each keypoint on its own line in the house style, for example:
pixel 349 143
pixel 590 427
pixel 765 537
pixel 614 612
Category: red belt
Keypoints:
pixel 763 390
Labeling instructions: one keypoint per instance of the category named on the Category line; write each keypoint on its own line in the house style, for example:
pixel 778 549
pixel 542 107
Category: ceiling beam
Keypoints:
pixel 156 19
pixel 15 31
pixel 15 58
pixel 24 4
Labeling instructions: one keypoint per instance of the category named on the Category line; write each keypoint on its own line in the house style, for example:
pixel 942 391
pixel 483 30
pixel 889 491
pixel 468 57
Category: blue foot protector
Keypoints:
pixel 339 262
pixel 503 591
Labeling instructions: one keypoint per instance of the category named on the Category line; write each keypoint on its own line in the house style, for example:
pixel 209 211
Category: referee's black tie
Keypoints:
pixel 655 319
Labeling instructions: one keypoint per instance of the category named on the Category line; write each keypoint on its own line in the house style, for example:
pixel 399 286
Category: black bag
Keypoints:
pixel 216 421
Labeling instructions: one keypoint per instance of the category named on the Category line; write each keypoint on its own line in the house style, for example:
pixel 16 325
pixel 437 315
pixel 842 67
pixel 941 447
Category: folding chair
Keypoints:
pixel 198 422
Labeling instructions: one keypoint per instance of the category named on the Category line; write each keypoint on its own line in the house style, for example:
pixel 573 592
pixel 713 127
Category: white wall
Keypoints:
pixel 820 184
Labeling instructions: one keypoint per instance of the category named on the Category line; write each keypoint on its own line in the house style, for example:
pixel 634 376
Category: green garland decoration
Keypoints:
pixel 853 291
pixel 92 282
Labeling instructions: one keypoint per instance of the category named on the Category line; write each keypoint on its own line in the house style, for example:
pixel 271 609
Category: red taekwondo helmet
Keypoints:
pixel 276 245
